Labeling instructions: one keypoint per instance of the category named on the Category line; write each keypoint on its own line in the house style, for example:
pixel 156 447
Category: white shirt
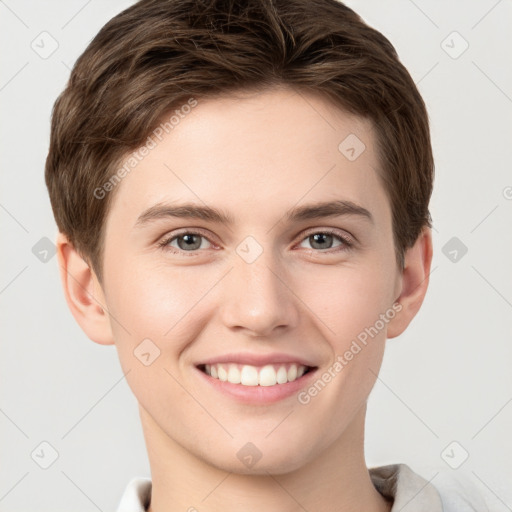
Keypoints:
pixel 410 492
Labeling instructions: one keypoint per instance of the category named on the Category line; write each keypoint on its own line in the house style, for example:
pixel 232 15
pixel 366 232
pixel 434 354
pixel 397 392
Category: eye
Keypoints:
pixel 191 241
pixel 323 240
pixel 187 241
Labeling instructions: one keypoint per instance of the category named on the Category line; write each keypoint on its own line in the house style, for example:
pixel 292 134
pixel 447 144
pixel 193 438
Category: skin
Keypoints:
pixel 255 156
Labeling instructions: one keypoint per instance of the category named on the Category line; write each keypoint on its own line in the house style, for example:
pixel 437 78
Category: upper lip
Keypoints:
pixel 257 359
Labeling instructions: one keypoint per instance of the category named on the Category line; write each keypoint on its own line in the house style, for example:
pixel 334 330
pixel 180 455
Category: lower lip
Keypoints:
pixel 258 394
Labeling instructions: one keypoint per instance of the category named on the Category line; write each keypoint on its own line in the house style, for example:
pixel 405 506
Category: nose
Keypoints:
pixel 258 297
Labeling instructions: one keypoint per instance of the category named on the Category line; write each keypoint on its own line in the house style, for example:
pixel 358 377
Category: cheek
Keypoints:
pixel 171 305
pixel 348 305
pixel 167 306
pixel 154 299
pixel 346 299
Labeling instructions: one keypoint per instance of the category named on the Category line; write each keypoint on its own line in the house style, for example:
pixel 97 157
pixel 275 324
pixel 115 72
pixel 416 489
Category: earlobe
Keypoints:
pixel 83 293
pixel 415 279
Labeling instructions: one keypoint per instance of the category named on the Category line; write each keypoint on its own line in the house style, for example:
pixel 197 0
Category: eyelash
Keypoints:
pixel 347 242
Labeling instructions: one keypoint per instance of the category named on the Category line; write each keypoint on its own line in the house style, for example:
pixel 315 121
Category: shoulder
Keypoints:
pixel 441 491
pixel 136 495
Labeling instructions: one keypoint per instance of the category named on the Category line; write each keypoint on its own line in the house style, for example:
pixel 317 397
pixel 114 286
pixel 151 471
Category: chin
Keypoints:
pixel 249 460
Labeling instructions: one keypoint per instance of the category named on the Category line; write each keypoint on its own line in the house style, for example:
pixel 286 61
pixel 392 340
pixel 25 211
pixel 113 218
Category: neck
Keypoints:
pixel 335 481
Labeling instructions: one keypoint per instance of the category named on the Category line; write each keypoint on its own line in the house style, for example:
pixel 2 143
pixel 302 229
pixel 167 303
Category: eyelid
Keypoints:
pixel 163 243
pixel 349 239
pixel 187 231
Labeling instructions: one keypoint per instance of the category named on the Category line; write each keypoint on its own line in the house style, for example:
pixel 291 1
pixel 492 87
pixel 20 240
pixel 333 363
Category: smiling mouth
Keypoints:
pixel 248 375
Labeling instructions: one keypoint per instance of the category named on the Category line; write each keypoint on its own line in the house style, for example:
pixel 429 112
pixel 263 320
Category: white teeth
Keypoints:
pixel 282 375
pixel 268 376
pixel 234 374
pixel 248 375
pixel 223 374
pixel 292 373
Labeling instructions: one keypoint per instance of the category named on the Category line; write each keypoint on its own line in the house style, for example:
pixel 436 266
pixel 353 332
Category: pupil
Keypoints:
pixel 189 242
pixel 323 236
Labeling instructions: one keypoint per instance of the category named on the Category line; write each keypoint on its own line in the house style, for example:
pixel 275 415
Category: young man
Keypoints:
pixel 242 190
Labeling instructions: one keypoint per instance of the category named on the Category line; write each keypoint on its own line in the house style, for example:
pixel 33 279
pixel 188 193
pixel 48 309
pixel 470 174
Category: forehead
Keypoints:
pixel 255 154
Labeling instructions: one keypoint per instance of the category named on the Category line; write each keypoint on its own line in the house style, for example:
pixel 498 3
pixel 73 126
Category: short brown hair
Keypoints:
pixel 157 54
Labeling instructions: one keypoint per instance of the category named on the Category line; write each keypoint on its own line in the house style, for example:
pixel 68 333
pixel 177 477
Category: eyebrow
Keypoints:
pixel 208 213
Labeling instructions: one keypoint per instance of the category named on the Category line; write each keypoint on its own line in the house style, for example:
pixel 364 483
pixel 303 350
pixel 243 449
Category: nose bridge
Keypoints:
pixel 258 297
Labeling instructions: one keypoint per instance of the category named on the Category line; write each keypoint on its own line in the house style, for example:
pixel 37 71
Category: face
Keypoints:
pixel 195 300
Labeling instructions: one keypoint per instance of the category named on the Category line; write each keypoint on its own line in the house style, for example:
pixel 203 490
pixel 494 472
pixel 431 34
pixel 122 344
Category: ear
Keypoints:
pixel 83 292
pixel 415 279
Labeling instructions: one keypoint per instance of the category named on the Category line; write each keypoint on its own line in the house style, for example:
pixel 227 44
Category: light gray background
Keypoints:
pixel 448 378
